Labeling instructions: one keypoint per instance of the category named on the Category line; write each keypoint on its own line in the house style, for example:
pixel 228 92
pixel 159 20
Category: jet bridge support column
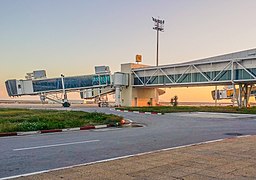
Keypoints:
pixel 244 93
pixel 120 80
pixel 118 96
pixel 247 89
pixel 65 102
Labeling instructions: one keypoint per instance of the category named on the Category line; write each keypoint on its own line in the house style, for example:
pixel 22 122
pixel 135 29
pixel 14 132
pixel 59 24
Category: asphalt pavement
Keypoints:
pixel 232 158
pixel 34 153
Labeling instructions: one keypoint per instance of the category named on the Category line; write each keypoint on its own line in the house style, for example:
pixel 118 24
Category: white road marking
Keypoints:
pixel 217 115
pixel 101 126
pixel 106 129
pixel 54 145
pixel 117 158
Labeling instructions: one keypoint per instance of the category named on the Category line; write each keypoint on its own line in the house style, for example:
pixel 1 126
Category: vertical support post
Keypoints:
pixel 249 94
pixel 233 83
pixel 157 76
pixel 234 98
pixel 156 97
pixel 157 45
pixel 118 96
pixel 216 95
pixel 65 102
pixel 99 98
pixel 42 98
pixel 245 95
pixel 240 96
pixel 65 97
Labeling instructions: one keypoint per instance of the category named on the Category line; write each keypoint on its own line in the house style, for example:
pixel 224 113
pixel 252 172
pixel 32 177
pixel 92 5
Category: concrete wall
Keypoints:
pixel 144 97
pixel 137 96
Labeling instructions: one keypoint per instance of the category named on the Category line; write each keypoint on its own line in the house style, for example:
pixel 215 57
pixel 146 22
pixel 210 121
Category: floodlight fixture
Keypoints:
pixel 158 26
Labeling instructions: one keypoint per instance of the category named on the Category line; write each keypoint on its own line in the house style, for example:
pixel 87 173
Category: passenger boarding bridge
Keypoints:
pixel 37 83
pixel 236 69
pixel 137 84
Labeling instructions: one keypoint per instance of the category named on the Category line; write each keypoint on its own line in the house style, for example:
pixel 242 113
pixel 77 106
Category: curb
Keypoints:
pixel 55 130
pixel 140 112
pixel 8 134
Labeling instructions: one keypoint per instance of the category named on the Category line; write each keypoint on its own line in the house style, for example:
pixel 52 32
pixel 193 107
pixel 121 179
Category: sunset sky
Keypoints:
pixel 72 36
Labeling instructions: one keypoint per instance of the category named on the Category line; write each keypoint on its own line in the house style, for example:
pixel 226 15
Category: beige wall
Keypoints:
pixel 126 93
pixel 137 96
pixel 143 96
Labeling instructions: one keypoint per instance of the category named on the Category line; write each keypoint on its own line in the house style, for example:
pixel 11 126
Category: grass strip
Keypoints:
pixel 22 120
pixel 171 109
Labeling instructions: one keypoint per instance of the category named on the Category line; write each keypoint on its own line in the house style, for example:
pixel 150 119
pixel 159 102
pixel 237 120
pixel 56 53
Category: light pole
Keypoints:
pixel 158 26
pixel 65 102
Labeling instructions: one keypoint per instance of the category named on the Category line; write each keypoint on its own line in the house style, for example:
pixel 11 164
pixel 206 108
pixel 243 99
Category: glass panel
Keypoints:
pixel 11 87
pixel 78 82
pixel 101 80
pixel 238 73
pixel 171 77
pixel 225 75
pixel 242 74
pixel 137 81
pixel 47 85
pixel 70 82
pixel 246 75
pixel 253 71
pixel 161 79
pixel 153 80
pixel 104 79
pixel 185 78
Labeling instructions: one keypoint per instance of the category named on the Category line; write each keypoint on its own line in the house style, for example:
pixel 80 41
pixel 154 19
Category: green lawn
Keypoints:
pixel 20 120
pixel 171 109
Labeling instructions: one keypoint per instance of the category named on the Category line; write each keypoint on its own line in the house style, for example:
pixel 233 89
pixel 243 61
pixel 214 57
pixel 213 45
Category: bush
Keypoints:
pixel 174 101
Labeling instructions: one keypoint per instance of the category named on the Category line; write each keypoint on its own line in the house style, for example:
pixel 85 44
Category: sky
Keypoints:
pixel 72 36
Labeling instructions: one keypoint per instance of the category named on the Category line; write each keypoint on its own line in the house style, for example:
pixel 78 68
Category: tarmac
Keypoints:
pixel 232 158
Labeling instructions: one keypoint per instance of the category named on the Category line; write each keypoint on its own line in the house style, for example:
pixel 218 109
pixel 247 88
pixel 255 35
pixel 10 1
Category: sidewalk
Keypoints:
pixel 233 158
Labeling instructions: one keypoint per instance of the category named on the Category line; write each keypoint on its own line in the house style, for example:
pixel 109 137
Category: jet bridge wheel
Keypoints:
pixel 66 104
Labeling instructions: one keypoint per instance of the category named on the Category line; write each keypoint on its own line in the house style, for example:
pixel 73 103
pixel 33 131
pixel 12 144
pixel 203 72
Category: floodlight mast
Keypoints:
pixel 158 26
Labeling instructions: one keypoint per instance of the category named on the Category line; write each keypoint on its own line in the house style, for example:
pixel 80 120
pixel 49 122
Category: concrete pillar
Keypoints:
pixel 249 94
pixel 118 96
pixel 216 96
pixel 234 98
pixel 239 102
pixel 245 95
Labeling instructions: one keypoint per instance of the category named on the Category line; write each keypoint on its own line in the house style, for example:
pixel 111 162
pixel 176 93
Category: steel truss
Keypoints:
pixel 211 72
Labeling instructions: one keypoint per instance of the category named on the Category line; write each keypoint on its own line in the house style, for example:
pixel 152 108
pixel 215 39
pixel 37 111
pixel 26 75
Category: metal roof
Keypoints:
pixel 235 55
pixel 246 54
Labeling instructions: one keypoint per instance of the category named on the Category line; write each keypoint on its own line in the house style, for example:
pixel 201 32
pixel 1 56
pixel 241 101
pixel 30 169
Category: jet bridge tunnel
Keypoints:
pixel 37 83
